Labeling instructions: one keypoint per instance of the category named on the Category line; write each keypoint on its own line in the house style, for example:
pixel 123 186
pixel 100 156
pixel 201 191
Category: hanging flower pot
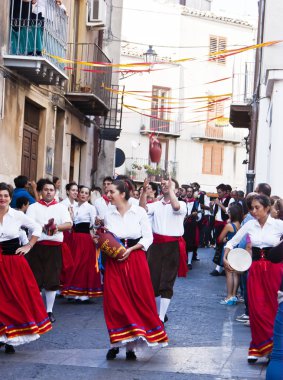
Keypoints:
pixel 155 149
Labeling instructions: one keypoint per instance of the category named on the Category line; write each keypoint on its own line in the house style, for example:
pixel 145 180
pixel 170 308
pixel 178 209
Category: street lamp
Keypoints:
pixel 150 55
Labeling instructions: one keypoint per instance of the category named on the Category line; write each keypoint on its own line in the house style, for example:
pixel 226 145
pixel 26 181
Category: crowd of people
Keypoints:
pixel 49 246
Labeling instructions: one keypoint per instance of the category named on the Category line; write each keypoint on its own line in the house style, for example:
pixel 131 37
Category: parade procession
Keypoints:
pixel 141 199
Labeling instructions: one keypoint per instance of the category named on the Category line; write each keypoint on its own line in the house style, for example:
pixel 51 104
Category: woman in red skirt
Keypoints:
pixel 264 277
pixel 23 317
pixel 84 280
pixel 129 303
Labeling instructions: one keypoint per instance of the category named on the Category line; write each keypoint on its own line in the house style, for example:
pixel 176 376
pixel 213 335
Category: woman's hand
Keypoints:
pixel 126 254
pixel 227 265
pixel 23 250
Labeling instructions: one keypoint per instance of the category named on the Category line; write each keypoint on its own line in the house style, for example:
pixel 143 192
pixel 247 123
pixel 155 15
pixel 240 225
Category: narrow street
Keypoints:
pixel 205 340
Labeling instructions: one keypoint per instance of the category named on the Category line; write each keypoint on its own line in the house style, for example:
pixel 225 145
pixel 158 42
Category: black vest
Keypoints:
pixel 224 216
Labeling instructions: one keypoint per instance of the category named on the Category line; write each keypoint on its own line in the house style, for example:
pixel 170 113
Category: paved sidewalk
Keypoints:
pixel 205 340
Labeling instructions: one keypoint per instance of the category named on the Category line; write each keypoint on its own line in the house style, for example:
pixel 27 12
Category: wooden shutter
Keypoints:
pixel 212 44
pixel 217 158
pixel 222 46
pixel 206 158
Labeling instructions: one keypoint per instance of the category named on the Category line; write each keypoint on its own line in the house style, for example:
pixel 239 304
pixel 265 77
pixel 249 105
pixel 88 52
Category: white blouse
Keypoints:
pixel 267 236
pixel 133 225
pixel 13 221
pixel 66 202
pixel 85 213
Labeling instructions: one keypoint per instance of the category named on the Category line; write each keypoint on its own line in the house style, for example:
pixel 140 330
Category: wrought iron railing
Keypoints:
pixel 162 127
pixel 38 30
pixel 85 75
pixel 139 168
pixel 243 84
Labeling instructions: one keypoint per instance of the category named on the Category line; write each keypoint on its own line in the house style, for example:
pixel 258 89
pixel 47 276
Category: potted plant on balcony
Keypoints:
pixel 154 174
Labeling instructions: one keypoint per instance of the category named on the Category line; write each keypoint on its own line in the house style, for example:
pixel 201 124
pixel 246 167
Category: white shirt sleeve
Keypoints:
pixel 244 230
pixel 182 210
pixel 147 237
pixel 34 228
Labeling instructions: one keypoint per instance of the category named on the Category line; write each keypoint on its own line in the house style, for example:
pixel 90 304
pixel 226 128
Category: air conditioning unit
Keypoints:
pixel 96 13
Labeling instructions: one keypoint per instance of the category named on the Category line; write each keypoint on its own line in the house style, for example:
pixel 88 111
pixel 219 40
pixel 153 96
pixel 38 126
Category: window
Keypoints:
pixel 159 109
pixel 212 159
pixel 217 44
pixel 215 110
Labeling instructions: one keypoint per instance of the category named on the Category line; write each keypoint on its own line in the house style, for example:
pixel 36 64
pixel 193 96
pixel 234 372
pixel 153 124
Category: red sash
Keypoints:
pixel 183 268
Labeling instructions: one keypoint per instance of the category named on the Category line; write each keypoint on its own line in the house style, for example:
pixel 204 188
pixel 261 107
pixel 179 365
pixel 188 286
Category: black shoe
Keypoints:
pixel 51 317
pixel 166 319
pixel 9 349
pixel 130 355
pixel 223 273
pixel 214 273
pixel 112 353
pixel 195 258
pixel 252 360
pixel 190 266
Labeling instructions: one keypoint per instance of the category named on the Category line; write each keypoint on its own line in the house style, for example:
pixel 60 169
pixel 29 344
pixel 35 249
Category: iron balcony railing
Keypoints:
pixel 38 30
pixel 243 84
pixel 85 76
pixel 170 128
pixel 139 168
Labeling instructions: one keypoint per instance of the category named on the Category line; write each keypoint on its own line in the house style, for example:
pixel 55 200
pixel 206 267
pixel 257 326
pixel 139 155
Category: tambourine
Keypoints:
pixel 110 244
pixel 239 259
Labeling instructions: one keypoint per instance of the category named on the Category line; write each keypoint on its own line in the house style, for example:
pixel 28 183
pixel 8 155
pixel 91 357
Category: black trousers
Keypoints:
pixel 163 261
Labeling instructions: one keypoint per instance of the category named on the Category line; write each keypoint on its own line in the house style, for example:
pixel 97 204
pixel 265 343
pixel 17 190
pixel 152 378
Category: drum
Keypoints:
pixel 110 244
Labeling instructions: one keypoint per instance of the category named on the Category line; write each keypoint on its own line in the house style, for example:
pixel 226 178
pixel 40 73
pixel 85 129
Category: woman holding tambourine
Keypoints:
pixel 264 275
pixel 129 303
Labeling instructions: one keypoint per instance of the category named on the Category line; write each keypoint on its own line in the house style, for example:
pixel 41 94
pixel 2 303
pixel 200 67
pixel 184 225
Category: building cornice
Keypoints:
pixel 186 11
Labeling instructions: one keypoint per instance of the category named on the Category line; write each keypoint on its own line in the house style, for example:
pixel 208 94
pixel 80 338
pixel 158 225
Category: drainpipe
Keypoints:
pixel 255 104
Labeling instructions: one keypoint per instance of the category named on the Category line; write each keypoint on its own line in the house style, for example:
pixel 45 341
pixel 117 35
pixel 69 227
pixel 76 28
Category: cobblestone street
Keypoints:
pixel 205 340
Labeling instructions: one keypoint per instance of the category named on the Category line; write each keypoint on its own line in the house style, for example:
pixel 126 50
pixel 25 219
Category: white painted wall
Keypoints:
pixel 270 132
pixel 151 23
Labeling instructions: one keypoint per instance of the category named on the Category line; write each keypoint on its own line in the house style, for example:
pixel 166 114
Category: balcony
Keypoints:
pixel 160 127
pixel 87 84
pixel 34 41
pixel 139 168
pixel 218 134
pixel 243 84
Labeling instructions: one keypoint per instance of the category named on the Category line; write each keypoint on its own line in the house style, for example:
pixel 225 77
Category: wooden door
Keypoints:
pixel 29 153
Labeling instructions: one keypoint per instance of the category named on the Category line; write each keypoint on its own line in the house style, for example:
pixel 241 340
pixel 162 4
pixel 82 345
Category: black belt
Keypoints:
pixel 128 243
pixel 260 253
pixel 9 247
pixel 82 228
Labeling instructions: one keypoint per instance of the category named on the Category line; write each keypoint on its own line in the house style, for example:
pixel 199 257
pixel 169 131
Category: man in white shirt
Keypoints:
pixel 220 211
pixel 102 204
pixel 45 258
pixel 164 254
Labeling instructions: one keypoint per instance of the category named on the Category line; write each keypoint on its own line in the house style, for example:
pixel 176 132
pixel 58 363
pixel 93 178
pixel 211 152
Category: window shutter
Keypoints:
pixel 206 158
pixel 222 46
pixel 217 157
pixel 212 46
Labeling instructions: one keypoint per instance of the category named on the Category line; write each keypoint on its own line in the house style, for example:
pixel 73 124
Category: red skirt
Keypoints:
pixel 129 304
pixel 84 279
pixel 67 259
pixel 264 281
pixel 22 312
